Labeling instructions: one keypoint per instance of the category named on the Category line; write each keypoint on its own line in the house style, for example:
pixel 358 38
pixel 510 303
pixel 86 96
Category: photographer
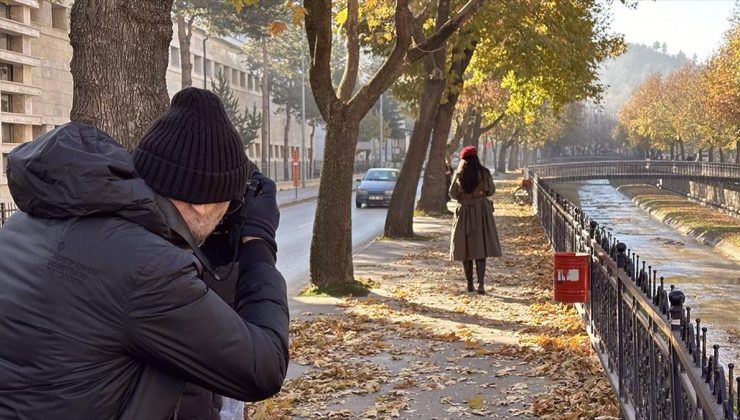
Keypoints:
pixel 107 303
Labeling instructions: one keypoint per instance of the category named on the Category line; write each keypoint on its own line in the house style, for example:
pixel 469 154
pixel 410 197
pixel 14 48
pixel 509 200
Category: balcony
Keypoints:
pixel 24 119
pixel 6 148
pixel 30 3
pixel 16 28
pixel 18 58
pixel 19 88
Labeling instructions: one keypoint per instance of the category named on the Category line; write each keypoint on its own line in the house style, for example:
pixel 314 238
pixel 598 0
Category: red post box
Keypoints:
pixel 572 276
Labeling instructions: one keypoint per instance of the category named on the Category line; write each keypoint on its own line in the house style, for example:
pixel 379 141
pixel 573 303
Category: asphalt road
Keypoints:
pixel 294 237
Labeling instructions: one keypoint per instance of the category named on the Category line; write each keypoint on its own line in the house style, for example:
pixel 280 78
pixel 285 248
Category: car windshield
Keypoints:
pixel 381 175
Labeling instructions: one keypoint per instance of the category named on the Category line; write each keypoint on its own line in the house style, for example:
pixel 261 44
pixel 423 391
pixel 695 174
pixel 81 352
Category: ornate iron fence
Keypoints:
pixel 6 210
pixel 727 172
pixel 656 357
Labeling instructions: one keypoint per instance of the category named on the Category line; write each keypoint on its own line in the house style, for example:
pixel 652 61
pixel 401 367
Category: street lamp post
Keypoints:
pixel 380 137
pixel 303 112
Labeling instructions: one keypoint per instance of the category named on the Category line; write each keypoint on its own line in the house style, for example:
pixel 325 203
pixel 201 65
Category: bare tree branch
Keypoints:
pixel 441 35
pixel 493 125
pixel 352 67
pixel 318 33
pixel 365 98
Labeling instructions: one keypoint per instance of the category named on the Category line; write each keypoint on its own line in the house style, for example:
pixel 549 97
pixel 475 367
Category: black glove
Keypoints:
pixel 261 211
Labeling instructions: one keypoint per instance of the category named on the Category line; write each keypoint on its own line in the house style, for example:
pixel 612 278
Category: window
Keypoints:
pixel 235 77
pixel 250 82
pixel 4 11
pixel 35 15
pixel 7 133
pixel 242 79
pixel 4 41
pixel 198 64
pixel 175 57
pixel 209 70
pixel 258 149
pixel 59 17
pixel 6 72
pixel 217 69
pixel 7 103
pixel 381 175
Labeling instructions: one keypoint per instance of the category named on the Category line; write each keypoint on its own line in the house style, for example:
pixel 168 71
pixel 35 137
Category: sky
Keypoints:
pixel 691 26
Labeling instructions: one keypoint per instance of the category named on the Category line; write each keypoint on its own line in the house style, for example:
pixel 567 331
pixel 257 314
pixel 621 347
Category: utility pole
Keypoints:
pixel 380 137
pixel 303 112
pixel 205 60
pixel 265 112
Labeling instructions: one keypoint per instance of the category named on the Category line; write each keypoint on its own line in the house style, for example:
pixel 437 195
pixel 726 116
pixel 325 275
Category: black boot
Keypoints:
pixel 468 267
pixel 480 268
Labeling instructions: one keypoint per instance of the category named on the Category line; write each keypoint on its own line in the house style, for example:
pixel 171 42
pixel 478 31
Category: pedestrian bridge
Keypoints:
pixel 638 169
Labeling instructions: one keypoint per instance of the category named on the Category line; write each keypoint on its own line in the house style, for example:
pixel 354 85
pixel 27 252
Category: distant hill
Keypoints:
pixel 625 73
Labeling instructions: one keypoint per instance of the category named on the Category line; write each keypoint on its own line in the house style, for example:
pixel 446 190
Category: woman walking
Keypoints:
pixel 474 235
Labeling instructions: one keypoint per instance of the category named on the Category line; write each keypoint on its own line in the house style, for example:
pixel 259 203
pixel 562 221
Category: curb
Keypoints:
pixel 297 202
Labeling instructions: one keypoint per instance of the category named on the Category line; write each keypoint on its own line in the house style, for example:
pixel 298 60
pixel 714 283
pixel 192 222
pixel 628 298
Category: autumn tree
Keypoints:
pixel 343 107
pixel 556 65
pixel 120 87
pixel 721 83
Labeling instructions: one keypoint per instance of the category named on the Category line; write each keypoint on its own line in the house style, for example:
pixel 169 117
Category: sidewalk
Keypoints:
pixel 421 347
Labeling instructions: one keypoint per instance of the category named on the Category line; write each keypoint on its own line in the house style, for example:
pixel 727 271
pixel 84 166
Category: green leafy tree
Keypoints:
pixel 247 123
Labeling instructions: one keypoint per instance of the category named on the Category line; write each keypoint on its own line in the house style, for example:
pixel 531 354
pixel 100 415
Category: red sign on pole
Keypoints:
pixel 296 171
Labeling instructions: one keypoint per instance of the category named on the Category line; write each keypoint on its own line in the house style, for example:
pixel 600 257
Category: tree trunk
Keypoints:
pixel 434 188
pixel 266 152
pixel 673 150
pixel 184 35
pixel 120 87
pixel 683 151
pixel 460 134
pixel 399 222
pixel 699 157
pixel 286 144
pixel 711 154
pixel 331 245
pixel 721 155
pixel 514 157
pixel 737 151
pixel 501 166
pixel 313 152
pixel 473 134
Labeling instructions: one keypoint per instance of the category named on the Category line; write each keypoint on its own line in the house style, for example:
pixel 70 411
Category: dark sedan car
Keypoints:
pixel 376 187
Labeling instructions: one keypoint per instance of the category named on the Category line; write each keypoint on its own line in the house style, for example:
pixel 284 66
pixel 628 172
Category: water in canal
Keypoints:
pixel 710 280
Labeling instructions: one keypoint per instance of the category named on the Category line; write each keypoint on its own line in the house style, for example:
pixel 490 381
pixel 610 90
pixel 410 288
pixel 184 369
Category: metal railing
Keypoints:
pixel 656 357
pixel 6 210
pixel 638 169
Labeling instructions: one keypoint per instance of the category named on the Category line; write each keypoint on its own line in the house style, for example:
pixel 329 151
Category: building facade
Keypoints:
pixel 36 82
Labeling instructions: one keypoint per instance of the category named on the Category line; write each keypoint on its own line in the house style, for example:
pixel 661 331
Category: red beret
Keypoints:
pixel 468 151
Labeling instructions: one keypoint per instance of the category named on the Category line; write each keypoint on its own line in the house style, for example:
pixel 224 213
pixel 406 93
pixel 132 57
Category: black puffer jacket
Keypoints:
pixel 101 316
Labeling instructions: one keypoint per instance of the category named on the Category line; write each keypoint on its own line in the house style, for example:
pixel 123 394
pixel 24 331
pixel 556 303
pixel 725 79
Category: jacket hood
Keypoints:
pixel 77 171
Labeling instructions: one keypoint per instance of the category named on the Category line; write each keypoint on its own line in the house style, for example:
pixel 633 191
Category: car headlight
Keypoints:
pixel 361 191
pixel 389 192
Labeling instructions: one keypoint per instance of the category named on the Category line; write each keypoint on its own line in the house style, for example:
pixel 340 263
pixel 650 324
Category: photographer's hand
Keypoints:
pixel 262 213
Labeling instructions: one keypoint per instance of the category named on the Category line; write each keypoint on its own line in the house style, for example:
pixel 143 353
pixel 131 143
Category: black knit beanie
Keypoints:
pixel 192 152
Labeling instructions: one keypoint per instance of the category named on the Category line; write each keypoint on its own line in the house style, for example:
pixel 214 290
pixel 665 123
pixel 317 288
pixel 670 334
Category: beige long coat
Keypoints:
pixel 474 234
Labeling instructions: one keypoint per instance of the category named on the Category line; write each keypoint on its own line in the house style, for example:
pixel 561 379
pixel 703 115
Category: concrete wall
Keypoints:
pixel 721 195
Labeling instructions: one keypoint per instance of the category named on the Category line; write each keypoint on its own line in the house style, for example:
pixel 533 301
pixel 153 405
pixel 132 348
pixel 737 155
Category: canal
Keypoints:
pixel 710 280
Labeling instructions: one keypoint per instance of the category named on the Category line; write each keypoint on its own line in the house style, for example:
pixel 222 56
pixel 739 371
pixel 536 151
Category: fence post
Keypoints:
pixel 2 214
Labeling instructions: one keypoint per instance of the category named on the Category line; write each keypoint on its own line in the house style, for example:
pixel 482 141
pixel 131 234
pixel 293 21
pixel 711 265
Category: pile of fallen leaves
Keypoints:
pixel 420 340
